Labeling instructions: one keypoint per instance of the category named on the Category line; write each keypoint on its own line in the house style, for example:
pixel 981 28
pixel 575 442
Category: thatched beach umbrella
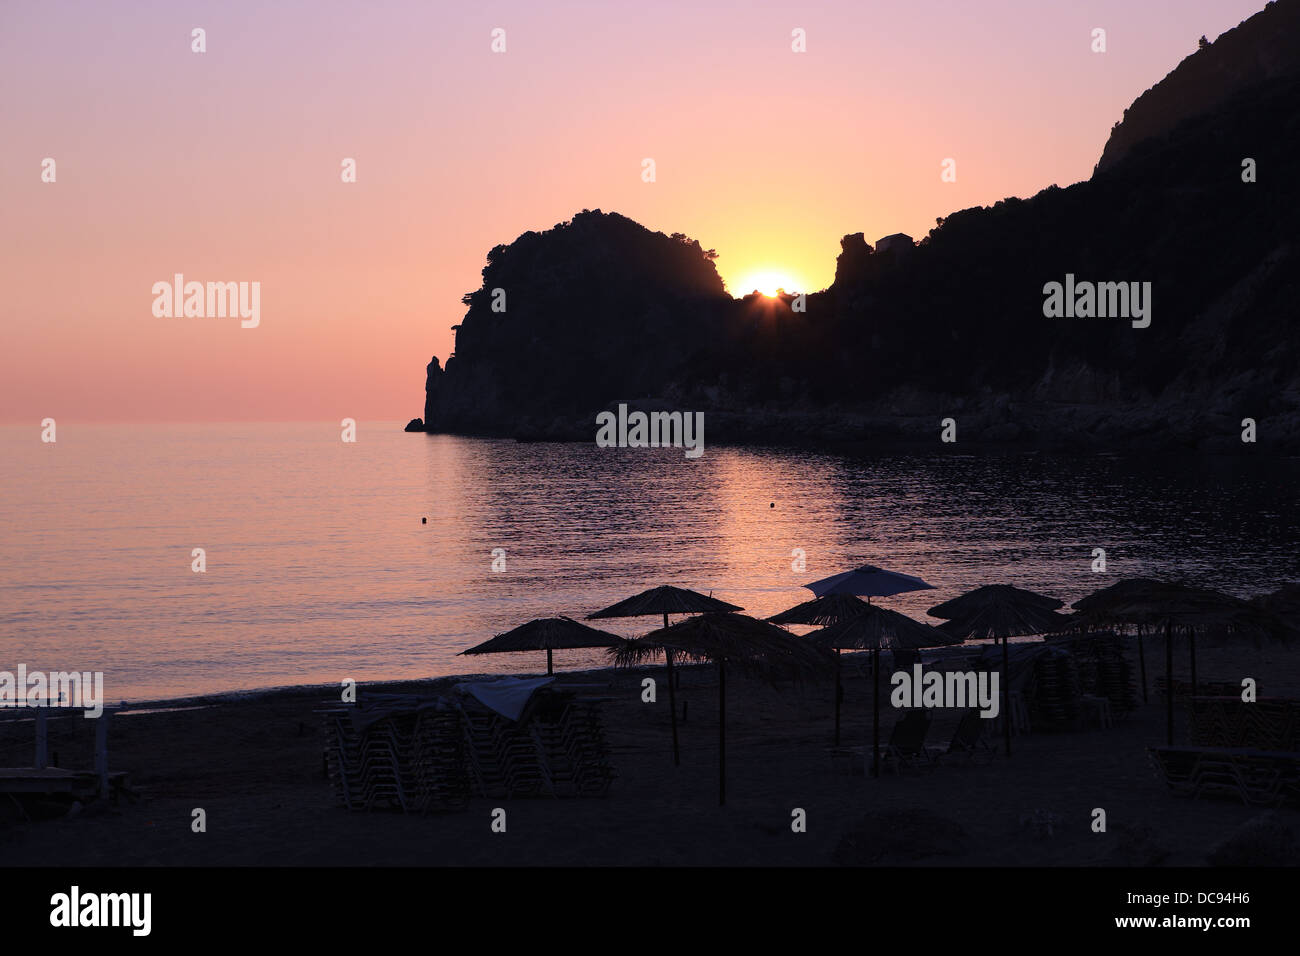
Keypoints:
pixel 821 612
pixel 751 646
pixel 999 611
pixel 666 600
pixel 1139 603
pixel 546 634
pixel 1109 596
pixel 873 630
pixel 867 581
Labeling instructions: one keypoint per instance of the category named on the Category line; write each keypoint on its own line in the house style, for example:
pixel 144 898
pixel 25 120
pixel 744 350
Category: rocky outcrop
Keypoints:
pixel 569 319
pixel 432 391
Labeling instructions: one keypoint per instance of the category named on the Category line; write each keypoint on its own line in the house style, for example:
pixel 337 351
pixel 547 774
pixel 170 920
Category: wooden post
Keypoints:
pixel 838 692
pixel 101 751
pixel 722 732
pixel 672 700
pixel 1169 680
pixel 1142 664
pixel 42 738
pixel 1006 698
pixel 875 712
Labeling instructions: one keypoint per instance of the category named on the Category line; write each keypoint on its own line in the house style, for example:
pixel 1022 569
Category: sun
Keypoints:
pixel 768 281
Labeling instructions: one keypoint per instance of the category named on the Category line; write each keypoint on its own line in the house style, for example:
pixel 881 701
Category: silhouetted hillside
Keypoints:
pixel 1260 49
pixel 601 309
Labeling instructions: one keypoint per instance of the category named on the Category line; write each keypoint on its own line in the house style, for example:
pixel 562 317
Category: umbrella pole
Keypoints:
pixel 722 733
pixel 1191 649
pixel 1006 698
pixel 1169 681
pixel 550 668
pixel 672 700
pixel 672 706
pixel 875 712
pixel 1142 665
pixel 838 692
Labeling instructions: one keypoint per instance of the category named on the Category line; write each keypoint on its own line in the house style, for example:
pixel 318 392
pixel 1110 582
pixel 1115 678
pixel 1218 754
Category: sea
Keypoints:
pixel 185 560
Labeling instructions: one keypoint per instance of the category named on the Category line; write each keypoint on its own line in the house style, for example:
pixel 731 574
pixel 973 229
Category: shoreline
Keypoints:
pixel 409 684
pixel 254 764
pixel 889 444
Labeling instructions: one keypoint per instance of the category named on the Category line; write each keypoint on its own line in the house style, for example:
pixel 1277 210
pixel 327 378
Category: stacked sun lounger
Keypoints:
pixel 557 750
pixel 504 759
pixel 438 761
pixel 1269 723
pixel 422 755
pixel 1105 670
pixel 1257 777
pixel 573 742
pixel 1054 691
pixel 363 762
pixel 404 755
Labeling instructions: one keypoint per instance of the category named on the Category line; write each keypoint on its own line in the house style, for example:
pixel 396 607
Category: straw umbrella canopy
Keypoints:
pixel 752 647
pixel 999 611
pixel 873 630
pixel 867 581
pixel 1138 603
pixel 821 612
pixel 666 600
pixel 1082 622
pixel 546 634
pixel 1108 597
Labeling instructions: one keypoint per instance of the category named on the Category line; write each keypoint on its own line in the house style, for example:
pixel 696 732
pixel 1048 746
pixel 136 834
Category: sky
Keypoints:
pixel 226 165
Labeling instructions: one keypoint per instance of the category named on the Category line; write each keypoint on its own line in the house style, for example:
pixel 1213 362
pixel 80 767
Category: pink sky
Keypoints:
pixel 225 165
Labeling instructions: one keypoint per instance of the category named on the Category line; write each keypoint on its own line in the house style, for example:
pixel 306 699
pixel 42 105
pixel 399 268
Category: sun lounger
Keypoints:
pixel 1269 723
pixel 906 746
pixel 1183 689
pixel 1256 777
pixel 969 742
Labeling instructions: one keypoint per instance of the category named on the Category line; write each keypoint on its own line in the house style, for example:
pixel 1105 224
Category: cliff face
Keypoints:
pixel 600 309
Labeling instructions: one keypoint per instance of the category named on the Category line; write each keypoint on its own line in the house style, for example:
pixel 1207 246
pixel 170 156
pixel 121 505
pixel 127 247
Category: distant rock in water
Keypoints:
pixel 600 310
pixel 414 425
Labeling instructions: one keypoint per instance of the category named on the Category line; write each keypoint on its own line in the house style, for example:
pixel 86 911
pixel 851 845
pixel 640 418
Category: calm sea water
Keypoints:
pixel 319 569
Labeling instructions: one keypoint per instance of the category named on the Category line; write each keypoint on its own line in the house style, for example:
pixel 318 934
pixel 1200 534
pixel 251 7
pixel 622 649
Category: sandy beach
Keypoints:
pixel 254 764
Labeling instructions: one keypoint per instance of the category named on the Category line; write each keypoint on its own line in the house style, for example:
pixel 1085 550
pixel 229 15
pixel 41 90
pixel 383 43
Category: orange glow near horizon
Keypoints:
pixel 766 281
